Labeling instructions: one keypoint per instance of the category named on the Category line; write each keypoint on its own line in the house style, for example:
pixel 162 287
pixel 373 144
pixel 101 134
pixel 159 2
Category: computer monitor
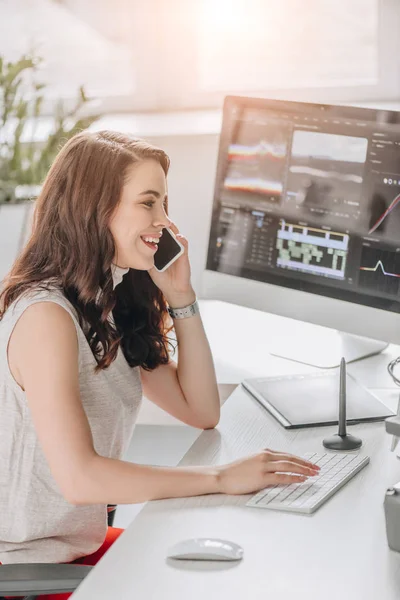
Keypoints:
pixel 306 221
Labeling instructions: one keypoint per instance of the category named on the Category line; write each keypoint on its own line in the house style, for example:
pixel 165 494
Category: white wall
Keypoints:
pixel 191 184
pixel 12 222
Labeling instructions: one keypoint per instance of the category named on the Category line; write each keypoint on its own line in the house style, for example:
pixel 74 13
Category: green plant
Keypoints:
pixel 22 160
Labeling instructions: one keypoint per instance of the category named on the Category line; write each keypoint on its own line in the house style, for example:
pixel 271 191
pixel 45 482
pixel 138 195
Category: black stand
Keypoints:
pixel 342 440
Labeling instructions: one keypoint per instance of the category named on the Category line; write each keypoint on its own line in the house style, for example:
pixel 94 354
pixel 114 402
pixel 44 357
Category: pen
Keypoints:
pixel 342 398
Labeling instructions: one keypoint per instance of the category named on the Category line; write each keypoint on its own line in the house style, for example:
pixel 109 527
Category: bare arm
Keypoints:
pixel 201 405
pixel 43 357
pixel 195 371
pixel 162 387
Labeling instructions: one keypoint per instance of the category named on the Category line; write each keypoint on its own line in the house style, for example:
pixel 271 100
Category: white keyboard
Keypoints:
pixel 306 497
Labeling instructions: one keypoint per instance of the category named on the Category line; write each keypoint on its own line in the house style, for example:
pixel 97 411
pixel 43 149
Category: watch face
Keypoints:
pixel 186 311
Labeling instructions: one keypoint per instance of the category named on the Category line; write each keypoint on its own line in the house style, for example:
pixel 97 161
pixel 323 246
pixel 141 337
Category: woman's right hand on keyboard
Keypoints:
pixel 249 475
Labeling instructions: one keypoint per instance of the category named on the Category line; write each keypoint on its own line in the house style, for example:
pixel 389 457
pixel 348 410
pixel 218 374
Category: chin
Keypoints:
pixel 141 265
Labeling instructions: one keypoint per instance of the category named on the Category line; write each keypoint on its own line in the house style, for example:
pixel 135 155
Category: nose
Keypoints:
pixel 161 219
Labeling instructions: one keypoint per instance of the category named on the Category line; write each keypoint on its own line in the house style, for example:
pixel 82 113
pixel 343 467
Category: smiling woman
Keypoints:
pixel 84 322
pixel 100 219
pixel 140 216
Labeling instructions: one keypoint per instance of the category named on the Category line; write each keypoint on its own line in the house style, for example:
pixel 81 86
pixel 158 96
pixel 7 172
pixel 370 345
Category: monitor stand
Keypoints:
pixel 322 347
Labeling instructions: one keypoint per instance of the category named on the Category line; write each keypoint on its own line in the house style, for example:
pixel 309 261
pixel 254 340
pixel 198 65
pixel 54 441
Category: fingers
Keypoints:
pixel 181 238
pixel 173 227
pixel 288 466
pixel 278 456
pixel 283 478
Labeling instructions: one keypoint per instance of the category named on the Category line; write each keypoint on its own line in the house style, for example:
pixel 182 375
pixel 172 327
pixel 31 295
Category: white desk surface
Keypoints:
pixel 341 550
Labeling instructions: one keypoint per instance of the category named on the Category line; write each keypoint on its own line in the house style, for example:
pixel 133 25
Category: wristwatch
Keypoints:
pixel 185 312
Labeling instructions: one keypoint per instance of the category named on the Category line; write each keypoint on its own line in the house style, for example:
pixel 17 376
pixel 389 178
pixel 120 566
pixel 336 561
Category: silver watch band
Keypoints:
pixel 185 312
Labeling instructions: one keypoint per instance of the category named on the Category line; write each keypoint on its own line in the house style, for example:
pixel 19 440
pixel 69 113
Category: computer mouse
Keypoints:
pixel 206 549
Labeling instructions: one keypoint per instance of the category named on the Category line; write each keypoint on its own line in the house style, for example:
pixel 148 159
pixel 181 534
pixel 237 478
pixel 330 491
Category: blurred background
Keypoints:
pixel 160 69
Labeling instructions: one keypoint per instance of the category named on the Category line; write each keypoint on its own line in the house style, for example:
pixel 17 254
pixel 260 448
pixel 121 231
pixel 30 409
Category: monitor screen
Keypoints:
pixel 307 196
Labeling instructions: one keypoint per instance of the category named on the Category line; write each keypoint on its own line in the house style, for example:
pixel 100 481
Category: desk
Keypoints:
pixel 341 548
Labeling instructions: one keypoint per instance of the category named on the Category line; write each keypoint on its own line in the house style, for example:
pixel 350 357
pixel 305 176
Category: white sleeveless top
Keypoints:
pixel 36 523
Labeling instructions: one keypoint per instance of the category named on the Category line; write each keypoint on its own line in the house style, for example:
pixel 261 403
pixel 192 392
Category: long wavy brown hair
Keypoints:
pixel 71 247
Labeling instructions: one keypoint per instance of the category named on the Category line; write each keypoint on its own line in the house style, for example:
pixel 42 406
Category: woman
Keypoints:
pixel 83 332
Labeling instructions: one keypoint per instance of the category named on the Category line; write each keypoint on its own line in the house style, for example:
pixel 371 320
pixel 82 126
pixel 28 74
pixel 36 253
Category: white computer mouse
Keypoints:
pixel 205 549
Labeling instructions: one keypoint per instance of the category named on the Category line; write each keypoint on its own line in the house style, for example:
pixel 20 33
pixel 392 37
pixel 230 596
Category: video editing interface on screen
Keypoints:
pixel 309 199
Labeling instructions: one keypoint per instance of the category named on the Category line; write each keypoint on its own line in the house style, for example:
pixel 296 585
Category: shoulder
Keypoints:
pixel 43 339
pixel 45 314
pixel 42 322
pixel 47 294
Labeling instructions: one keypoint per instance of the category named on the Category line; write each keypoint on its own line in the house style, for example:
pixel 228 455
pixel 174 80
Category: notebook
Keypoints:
pixel 313 399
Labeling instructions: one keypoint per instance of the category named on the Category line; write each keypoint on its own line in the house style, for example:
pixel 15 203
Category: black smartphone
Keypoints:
pixel 168 251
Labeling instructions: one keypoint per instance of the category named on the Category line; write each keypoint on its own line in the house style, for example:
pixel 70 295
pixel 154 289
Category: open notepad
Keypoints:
pixel 313 399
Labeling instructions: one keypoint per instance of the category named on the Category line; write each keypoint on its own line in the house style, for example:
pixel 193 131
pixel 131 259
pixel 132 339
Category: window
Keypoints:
pixel 81 42
pixel 170 54
pixel 315 50
pixel 253 44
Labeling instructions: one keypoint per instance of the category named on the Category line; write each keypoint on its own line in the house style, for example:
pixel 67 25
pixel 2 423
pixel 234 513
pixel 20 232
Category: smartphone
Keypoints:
pixel 169 250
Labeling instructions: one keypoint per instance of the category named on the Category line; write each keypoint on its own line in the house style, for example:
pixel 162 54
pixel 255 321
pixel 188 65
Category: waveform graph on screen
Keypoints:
pixel 384 218
pixel 380 270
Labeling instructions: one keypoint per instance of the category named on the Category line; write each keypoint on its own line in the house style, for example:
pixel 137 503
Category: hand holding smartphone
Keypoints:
pixel 168 251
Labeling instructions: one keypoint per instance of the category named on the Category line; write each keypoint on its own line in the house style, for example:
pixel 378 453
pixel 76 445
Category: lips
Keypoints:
pixel 153 246
pixel 155 236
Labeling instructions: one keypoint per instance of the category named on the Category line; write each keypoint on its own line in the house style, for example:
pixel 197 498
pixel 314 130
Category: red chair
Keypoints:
pixel 37 579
